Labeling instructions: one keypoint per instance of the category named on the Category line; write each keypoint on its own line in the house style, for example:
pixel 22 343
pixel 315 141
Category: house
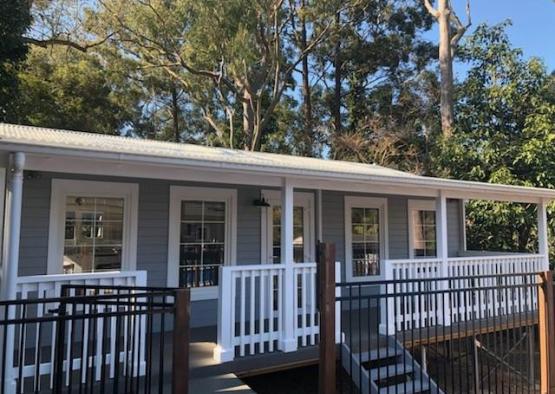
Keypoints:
pixel 239 228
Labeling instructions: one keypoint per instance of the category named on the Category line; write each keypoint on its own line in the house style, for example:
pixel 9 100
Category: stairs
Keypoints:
pixel 386 369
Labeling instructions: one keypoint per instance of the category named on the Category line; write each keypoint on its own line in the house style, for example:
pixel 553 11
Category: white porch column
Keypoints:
pixel 12 231
pixel 288 340
pixel 543 240
pixel 443 249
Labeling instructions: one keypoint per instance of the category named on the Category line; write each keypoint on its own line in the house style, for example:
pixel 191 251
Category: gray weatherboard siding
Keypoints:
pixel 152 246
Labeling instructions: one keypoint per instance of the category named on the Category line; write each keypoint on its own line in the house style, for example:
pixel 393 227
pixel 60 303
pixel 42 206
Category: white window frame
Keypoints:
pixel 184 193
pixel 419 205
pixel 62 188
pixel 372 203
pixel 300 199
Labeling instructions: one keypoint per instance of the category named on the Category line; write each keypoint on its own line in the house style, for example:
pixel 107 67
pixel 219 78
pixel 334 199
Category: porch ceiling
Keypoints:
pixel 51 150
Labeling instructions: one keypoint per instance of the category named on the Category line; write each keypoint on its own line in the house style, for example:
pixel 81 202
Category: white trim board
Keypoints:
pixel 366 202
pixel 55 160
pixel 421 205
pixel 183 193
pixel 300 199
pixel 61 188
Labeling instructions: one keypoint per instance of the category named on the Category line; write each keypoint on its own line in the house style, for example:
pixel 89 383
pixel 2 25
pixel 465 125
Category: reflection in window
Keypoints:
pixel 93 234
pixel 298 234
pixel 202 243
pixel 365 243
pixel 424 233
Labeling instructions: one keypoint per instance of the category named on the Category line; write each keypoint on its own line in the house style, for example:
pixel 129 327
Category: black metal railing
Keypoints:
pixel 440 335
pixel 112 339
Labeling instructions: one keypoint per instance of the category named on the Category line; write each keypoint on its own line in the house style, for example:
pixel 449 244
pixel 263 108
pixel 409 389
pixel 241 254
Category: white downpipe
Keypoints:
pixel 288 340
pixel 10 262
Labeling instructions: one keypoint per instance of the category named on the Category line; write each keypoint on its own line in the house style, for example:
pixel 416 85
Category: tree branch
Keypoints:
pixel 433 12
pixel 461 29
pixel 65 42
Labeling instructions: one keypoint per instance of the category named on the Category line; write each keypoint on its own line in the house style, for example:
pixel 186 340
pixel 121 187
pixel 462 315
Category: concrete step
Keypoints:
pixel 411 387
pixel 390 371
pixel 379 354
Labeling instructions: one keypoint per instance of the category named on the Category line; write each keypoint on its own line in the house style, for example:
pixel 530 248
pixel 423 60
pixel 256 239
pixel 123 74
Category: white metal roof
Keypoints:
pixel 99 146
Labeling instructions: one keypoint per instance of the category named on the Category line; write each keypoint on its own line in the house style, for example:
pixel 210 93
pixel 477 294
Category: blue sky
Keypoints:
pixel 533 27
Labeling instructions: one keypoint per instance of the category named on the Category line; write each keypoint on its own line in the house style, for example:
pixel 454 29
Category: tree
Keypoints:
pixel 234 55
pixel 68 89
pixel 374 69
pixel 451 30
pixel 506 134
pixel 15 19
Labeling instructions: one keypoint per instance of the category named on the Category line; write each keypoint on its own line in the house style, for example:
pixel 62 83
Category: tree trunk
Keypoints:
pixel 248 118
pixel 446 68
pixel 175 115
pixel 337 76
pixel 310 138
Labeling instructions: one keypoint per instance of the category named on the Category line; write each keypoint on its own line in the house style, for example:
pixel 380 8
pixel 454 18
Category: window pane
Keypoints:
pixel 213 255
pixel 109 233
pixel 214 211
pixel 357 215
pixel 276 216
pixel 191 232
pixel 191 211
pixel 78 259
pixel 190 254
pixel 358 233
pixel 298 216
pixel 371 215
pixel 371 233
pixel 298 253
pixel 214 232
pixel 297 235
pixel 107 258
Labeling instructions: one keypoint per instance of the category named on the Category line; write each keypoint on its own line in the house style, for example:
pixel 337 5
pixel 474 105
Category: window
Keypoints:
pixel 303 227
pixel 298 234
pixel 93 234
pixel 93 226
pixel 422 229
pixel 365 235
pixel 202 242
pixel 365 230
pixel 201 237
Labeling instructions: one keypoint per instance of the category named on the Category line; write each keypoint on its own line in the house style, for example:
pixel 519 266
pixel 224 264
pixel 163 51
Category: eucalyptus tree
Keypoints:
pixel 234 58
pixel 451 30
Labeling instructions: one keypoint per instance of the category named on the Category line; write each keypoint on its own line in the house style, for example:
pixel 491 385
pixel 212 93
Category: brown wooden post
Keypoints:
pixel 546 323
pixel 180 356
pixel 326 296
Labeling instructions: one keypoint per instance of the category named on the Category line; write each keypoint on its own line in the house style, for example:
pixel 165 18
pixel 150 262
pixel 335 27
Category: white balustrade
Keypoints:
pixel 49 286
pixel 470 283
pixel 251 309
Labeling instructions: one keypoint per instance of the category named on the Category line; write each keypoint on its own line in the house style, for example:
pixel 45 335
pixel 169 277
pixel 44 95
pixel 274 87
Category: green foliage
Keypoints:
pixel 15 19
pixel 61 88
pixel 505 133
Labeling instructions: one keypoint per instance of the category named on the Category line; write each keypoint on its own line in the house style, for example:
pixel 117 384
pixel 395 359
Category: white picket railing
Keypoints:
pixel 465 274
pixel 49 286
pixel 252 316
